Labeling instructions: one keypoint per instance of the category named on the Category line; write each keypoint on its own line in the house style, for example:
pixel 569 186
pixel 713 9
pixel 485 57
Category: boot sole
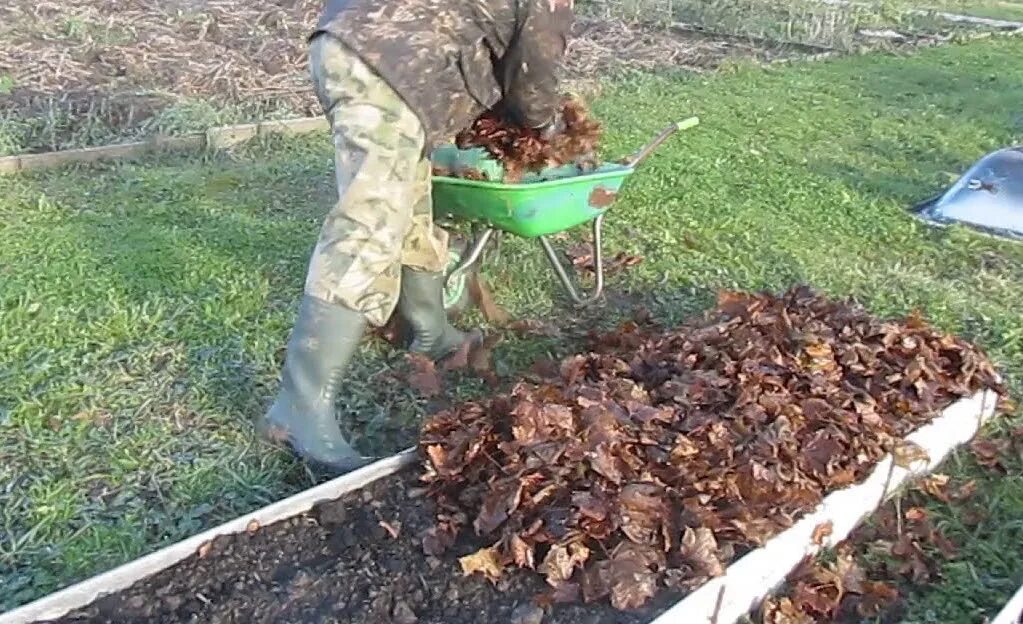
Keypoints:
pixel 280 438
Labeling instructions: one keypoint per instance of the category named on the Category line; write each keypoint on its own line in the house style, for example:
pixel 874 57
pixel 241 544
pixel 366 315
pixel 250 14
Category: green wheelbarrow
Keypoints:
pixel 540 205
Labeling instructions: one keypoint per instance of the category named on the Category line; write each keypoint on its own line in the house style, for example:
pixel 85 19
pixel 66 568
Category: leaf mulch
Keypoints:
pixel 653 461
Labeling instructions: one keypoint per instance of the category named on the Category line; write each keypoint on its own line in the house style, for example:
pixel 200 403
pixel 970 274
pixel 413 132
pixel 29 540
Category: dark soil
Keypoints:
pixel 338 563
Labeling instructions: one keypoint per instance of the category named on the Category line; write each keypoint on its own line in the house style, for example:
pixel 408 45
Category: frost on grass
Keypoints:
pixel 659 457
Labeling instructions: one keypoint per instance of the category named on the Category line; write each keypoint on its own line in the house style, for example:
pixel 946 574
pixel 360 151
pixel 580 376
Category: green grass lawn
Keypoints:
pixel 145 306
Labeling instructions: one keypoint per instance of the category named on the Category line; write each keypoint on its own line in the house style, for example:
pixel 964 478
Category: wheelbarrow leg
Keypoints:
pixel 472 255
pixel 598 265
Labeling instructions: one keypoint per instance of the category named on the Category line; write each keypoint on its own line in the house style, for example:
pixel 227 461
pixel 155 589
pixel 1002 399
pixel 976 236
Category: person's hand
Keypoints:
pixel 554 127
pixel 587 162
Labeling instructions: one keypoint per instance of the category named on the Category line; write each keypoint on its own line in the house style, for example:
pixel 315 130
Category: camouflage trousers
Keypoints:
pixel 383 217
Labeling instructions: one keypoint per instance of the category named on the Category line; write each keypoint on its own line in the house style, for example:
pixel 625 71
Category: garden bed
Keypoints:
pixel 831 409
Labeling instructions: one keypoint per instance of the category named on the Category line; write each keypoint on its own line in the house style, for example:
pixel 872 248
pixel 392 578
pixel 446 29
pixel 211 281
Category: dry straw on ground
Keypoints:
pixel 80 72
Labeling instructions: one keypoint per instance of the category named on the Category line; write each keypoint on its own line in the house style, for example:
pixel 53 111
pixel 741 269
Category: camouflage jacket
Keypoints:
pixel 452 59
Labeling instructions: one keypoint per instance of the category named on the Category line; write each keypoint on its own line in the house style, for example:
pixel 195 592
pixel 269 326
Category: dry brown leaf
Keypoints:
pixel 988 451
pixel 819 351
pixel 916 514
pixel 392 332
pixel 481 358
pixel 459 360
pixel 876 597
pixel 486 561
pixel 821 532
pixel 424 377
pixel 914 561
pixel 583 259
pixel 438 456
pixel 850 575
pixel 700 549
pixel 204 549
pixel 816 598
pixel 935 485
pixel 561 561
pixel 784 611
pixel 499 504
pixel 522 552
pixel 581 255
pixel 633 591
pixel 480 293
pixel 730 300
pixel 536 328
pixel 906 453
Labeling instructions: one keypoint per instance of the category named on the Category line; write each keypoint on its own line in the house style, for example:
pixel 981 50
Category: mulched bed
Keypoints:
pixel 602 490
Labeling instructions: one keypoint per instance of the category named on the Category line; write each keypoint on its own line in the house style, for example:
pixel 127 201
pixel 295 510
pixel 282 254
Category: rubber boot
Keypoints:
pixel 421 305
pixel 322 343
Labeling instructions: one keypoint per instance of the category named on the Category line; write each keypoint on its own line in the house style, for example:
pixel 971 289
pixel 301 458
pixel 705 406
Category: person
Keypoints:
pixel 396 78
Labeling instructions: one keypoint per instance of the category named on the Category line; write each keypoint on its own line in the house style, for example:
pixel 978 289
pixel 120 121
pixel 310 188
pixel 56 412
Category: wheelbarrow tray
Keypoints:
pixel 541 204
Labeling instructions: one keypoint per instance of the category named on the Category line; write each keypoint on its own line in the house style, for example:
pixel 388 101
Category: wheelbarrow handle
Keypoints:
pixel 649 148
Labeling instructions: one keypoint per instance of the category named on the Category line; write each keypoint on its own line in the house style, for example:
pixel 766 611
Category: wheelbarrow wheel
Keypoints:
pixel 457 294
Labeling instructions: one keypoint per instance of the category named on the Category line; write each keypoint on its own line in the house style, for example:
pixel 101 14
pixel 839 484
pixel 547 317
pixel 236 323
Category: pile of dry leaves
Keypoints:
pixel 656 459
pixel 523 150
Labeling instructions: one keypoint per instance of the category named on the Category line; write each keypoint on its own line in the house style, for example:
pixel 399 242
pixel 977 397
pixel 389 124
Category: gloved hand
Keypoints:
pixel 554 127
